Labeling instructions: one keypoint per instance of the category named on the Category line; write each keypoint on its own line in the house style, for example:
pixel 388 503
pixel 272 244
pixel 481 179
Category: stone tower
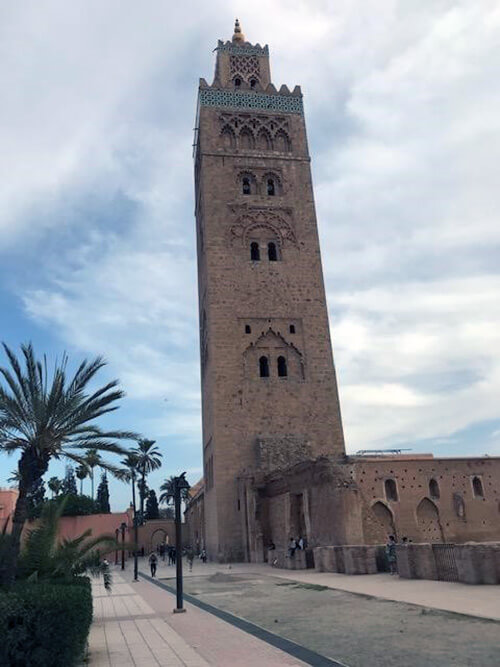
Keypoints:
pixel 269 391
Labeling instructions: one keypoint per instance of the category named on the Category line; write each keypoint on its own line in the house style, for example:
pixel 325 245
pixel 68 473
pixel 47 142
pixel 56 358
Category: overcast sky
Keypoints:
pixel 97 246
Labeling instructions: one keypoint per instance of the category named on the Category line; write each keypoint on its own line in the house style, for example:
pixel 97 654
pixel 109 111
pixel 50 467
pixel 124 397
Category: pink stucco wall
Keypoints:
pixel 8 498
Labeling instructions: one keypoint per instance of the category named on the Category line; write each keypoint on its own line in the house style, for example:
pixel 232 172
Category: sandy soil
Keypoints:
pixel 357 630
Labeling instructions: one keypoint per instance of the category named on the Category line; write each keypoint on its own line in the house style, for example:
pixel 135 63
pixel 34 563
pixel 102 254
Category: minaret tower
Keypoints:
pixel 269 390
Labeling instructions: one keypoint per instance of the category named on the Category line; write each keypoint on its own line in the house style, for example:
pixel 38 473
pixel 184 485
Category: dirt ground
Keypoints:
pixel 357 630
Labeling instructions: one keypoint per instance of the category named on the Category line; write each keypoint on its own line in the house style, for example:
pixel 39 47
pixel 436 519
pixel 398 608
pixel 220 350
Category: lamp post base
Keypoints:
pixel 179 611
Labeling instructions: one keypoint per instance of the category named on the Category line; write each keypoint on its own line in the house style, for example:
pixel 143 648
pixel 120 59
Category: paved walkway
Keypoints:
pixel 134 625
pixel 481 601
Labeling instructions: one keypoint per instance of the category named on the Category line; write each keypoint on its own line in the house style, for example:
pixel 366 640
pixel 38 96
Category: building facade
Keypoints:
pixel 268 380
pixel 273 447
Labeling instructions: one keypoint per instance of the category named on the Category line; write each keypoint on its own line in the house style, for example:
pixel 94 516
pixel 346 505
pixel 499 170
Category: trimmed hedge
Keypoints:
pixel 45 624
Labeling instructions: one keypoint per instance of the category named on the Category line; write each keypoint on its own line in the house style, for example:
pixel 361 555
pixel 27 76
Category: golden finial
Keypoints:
pixel 238 35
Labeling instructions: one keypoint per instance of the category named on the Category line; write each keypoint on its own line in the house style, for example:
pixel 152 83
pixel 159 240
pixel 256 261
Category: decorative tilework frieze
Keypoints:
pixel 213 97
pixel 236 50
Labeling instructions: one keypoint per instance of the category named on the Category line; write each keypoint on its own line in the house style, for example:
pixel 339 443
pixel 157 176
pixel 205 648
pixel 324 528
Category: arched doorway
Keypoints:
pixel 385 519
pixel 159 536
pixel 428 522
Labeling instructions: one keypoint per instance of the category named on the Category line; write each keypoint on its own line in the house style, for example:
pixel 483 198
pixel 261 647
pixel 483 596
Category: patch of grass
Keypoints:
pixel 313 587
pixel 287 583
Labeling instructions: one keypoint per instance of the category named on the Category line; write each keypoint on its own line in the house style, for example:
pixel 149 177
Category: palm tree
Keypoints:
pixel 130 475
pixel 45 415
pixel 148 459
pixel 55 485
pixel 14 477
pixel 82 472
pixel 92 460
pixel 43 557
pixel 168 489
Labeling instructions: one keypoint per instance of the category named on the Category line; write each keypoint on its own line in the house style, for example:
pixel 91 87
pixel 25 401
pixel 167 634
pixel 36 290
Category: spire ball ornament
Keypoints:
pixel 238 35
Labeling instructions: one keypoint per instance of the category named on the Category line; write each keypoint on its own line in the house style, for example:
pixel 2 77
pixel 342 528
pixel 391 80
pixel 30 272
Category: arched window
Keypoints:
pixel 459 505
pixel 391 491
pixel 254 251
pixel 237 82
pixel 270 187
pixel 434 489
pixel 252 83
pixel 263 141
pixel 246 187
pixel 281 142
pixel 264 367
pixel 272 252
pixel 248 329
pixel 228 138
pixel 282 370
pixel 246 139
pixel 292 328
pixel 477 487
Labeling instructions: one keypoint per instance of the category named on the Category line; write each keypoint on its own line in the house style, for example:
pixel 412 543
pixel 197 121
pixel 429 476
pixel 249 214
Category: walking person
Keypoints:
pixel 190 557
pixel 292 546
pixel 203 556
pixel 153 563
pixel 390 552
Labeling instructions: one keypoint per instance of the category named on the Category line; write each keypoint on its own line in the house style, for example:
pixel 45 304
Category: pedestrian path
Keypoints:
pixel 134 625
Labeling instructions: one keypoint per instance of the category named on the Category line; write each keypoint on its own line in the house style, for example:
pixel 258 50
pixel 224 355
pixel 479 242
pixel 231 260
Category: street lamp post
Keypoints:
pixel 136 536
pixel 180 483
pixel 123 528
pixel 117 535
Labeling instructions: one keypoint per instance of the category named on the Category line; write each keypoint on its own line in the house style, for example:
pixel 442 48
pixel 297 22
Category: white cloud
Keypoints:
pixel 403 119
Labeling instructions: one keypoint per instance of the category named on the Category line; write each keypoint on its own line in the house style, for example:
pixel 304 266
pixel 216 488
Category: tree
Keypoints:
pixel 14 477
pixel 152 510
pixel 148 459
pixel 130 474
pixel 35 499
pixel 45 415
pixel 69 482
pixel 167 513
pixel 44 558
pixel 102 501
pixel 143 489
pixel 167 492
pixel 55 485
pixel 82 472
pixel 92 460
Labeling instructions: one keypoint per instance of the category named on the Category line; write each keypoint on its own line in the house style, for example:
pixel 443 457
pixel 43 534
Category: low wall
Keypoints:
pixel 467 563
pixel 355 559
pixel 360 559
pixel 478 563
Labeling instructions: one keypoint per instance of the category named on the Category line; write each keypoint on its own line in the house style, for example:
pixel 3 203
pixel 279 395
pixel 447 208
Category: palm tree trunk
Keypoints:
pixel 81 487
pixel 92 480
pixel 142 493
pixel 31 470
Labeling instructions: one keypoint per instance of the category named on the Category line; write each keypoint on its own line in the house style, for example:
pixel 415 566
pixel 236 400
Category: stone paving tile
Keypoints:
pixel 127 632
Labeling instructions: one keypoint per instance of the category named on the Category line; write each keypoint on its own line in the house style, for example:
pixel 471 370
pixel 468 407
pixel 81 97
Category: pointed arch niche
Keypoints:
pixel 283 359
pixel 228 137
pixel 385 519
pixel 246 139
pixel 429 524
pixel 262 227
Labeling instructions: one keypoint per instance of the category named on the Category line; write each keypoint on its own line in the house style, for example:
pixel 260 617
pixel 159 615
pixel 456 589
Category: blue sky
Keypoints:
pixel 97 249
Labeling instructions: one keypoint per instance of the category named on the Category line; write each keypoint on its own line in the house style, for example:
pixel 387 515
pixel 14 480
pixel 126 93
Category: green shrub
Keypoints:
pixel 74 505
pixel 46 624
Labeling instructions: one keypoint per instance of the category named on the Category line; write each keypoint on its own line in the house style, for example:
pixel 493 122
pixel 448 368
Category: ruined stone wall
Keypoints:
pixel 361 501
pixel 451 500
